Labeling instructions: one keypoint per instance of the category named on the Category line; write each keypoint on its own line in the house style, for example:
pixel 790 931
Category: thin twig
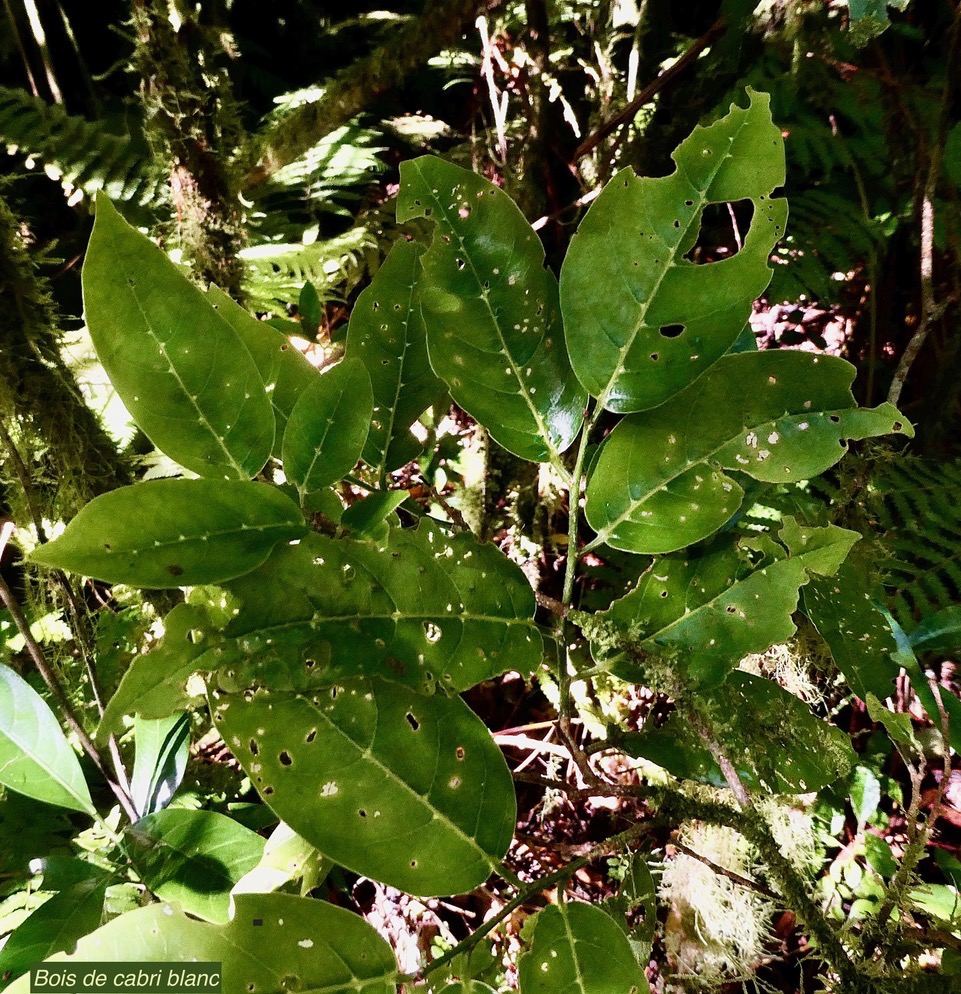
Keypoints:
pixel 931 310
pixel 53 683
pixel 723 871
pixel 668 76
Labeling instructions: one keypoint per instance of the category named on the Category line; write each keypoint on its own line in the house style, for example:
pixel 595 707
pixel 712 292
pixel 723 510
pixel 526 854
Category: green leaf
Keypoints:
pixel 855 629
pixel 642 321
pixel 286 372
pixel 425 610
pixel 35 758
pixel 163 745
pixel 408 790
pixel 899 726
pixel 869 18
pixel 367 516
pixel 939 632
pixel 179 367
pixel 714 609
pixel 175 533
pixel 494 332
pixel 55 926
pixel 771 737
pixel 387 333
pixel 578 949
pixel 780 417
pixel 286 857
pixel 865 794
pixel 312 944
pixel 328 427
pixel 193 857
pixel 153 685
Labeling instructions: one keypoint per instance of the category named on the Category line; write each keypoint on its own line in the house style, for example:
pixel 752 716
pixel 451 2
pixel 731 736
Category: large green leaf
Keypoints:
pixel 174 533
pixel 402 788
pixel 494 332
pixel 576 948
pixel 328 427
pixel 193 857
pixel 35 758
pixel 641 320
pixel 424 610
pixel 55 926
pixel 286 372
pixel 770 736
pixel 712 610
pixel 387 334
pixel 180 368
pixel 846 615
pixel 274 944
pixel 659 482
pixel 286 857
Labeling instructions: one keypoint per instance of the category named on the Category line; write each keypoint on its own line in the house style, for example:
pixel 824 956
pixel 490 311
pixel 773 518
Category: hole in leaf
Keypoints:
pixel 309 664
pixel 655 356
pixel 362 813
pixel 413 864
pixel 672 330
pixel 461 263
pixel 722 231
pixel 284 758
pixel 663 593
pixel 267 790
pixel 311 735
pixel 412 721
pixel 730 609
pixel 835 418
pixel 897 426
pixel 254 749
pixel 459 752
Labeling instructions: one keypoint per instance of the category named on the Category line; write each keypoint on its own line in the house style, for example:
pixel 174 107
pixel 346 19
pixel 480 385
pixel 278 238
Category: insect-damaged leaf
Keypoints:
pixel 328 427
pixel 274 942
pixel 714 609
pixel 408 790
pixel 35 758
pixel 424 610
pixel 771 737
pixel 285 370
pixel 659 482
pixel 180 368
pixel 494 332
pixel 576 948
pixel 387 334
pixel 641 320
pixel 193 857
pixel 175 533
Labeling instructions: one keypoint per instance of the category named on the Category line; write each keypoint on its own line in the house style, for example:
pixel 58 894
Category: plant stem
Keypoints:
pixel 55 687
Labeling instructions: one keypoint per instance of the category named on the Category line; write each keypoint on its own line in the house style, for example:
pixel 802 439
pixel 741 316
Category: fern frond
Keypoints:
pixel 917 505
pixel 84 153
pixel 276 272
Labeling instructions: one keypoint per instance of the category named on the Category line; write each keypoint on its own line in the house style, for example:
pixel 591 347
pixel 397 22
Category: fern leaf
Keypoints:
pixel 84 153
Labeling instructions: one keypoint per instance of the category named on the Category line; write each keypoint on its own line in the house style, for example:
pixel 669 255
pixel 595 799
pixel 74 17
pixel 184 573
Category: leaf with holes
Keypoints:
pixel 55 926
pixel 712 610
pixel 175 533
pixel 425 610
pixel 494 332
pixel 35 758
pixel 780 417
pixel 179 367
pixel 408 790
pixel 642 320
pixel 856 631
pixel 192 857
pixel 153 686
pixel 275 943
pixel 387 334
pixel 576 948
pixel 286 372
pixel 328 427
pixel 771 737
